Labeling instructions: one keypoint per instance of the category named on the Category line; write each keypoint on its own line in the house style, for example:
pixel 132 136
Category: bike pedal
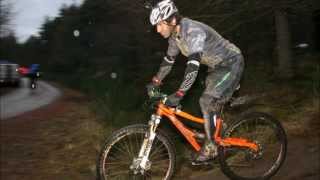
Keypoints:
pixel 204 163
pixel 212 161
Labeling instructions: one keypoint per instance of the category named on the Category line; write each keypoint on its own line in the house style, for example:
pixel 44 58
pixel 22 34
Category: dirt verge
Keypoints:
pixel 58 141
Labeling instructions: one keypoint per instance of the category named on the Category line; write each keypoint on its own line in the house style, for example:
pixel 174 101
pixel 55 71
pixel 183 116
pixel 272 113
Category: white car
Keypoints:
pixel 9 74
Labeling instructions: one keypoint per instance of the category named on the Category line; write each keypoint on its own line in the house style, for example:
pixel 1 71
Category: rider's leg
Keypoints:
pixel 220 85
pixel 209 101
pixel 211 108
pixel 209 149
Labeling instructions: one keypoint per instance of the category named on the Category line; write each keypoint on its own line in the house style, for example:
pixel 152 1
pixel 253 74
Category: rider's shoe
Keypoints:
pixel 208 152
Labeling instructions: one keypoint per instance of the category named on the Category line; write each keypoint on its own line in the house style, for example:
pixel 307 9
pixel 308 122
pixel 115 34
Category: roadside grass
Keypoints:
pixel 79 144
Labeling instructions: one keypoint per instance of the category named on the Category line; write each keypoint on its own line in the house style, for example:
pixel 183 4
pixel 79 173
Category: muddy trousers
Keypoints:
pixel 220 84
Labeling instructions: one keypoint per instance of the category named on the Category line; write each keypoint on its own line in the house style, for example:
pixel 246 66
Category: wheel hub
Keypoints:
pixel 257 154
pixel 137 168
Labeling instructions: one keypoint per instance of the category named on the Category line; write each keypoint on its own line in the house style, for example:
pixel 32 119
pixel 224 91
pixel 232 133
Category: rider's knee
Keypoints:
pixel 216 105
pixel 204 102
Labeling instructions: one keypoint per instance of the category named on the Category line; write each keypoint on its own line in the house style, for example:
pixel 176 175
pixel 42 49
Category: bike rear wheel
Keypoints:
pixel 244 164
pixel 123 147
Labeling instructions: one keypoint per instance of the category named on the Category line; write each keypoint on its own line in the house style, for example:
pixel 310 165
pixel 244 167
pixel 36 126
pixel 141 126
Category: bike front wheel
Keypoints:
pixel 244 164
pixel 122 148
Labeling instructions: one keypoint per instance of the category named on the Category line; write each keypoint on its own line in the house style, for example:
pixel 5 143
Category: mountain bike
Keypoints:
pixel 252 147
pixel 33 80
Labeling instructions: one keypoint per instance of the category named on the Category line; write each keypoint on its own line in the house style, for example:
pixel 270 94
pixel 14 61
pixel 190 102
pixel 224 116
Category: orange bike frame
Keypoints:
pixel 171 113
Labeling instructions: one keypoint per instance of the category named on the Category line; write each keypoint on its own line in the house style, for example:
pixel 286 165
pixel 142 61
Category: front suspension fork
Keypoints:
pixel 142 162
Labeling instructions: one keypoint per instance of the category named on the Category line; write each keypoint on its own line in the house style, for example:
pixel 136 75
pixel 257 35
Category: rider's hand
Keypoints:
pixel 151 89
pixel 153 86
pixel 174 99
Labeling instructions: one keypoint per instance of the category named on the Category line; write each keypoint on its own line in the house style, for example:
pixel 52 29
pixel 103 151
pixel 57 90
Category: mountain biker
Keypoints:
pixel 201 44
pixel 32 72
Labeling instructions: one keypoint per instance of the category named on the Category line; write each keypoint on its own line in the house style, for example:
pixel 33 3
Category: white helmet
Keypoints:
pixel 162 11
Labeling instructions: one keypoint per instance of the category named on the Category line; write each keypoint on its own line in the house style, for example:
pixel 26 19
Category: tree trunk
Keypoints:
pixel 284 66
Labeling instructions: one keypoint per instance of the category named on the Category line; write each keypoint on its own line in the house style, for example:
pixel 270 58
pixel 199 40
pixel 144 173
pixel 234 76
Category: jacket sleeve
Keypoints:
pixel 195 41
pixel 191 72
pixel 165 67
pixel 168 60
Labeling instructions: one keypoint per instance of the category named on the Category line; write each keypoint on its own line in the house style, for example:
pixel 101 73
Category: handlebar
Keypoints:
pixel 156 95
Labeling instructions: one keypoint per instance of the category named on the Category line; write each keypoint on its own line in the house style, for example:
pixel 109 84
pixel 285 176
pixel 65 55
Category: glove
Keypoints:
pixel 153 86
pixel 174 99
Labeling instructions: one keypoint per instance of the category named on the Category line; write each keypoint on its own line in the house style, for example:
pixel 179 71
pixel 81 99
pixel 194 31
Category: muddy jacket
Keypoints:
pixel 201 44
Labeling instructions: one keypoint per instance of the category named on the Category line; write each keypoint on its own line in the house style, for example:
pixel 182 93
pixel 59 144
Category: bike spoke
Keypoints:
pixel 117 164
pixel 126 146
pixel 138 141
pixel 160 157
pixel 120 149
pixel 119 173
pixel 157 150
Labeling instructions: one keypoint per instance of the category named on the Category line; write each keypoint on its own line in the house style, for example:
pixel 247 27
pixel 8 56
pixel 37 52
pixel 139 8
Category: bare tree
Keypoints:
pixel 284 54
pixel 5 11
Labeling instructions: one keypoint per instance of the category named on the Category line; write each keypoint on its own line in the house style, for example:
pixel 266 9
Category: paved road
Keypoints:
pixel 25 99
